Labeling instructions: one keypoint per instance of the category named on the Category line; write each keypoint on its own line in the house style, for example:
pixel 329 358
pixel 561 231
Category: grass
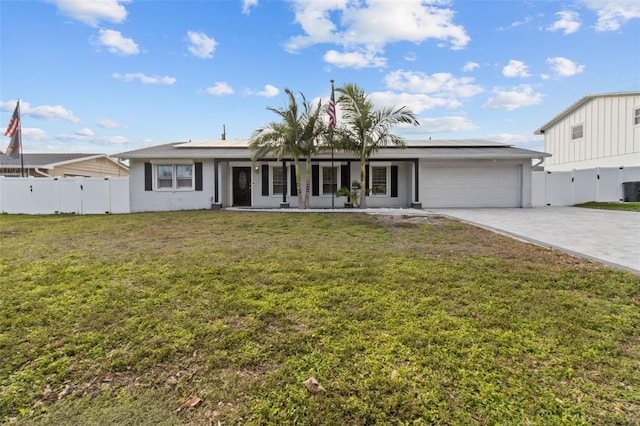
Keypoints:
pixel 630 207
pixel 119 319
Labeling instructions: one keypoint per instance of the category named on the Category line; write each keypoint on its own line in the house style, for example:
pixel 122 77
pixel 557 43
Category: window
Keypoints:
pixel 329 180
pixel 577 132
pixel 636 116
pixel 277 183
pixel 174 176
pixel 379 180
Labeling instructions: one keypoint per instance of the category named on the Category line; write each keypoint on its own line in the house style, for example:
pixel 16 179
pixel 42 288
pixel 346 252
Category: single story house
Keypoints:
pixel 601 130
pixel 427 173
pixel 62 165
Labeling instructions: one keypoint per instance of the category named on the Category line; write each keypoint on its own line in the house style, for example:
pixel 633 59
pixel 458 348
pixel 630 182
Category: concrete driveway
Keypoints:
pixel 605 236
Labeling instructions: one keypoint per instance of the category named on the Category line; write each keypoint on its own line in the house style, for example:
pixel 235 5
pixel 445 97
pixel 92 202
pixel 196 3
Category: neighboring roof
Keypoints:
pixel 416 148
pixel 579 103
pixel 49 161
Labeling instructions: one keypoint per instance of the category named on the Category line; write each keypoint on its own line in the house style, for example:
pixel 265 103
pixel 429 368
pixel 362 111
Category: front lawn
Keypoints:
pixel 120 319
pixel 630 207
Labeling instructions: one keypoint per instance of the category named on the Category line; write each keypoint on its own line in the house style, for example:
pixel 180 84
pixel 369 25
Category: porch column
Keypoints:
pixel 284 203
pixel 416 204
pixel 216 183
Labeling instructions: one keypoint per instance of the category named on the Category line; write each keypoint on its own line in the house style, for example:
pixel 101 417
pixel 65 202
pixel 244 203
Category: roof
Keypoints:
pixel 49 161
pixel 416 148
pixel 579 103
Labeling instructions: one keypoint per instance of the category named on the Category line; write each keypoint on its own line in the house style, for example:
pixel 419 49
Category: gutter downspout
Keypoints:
pixel 40 172
pixel 539 163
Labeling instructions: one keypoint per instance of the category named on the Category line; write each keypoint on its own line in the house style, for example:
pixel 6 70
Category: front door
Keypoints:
pixel 241 186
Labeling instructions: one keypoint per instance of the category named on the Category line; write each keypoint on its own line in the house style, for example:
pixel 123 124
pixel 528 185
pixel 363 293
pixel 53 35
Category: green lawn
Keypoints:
pixel 631 207
pixel 119 319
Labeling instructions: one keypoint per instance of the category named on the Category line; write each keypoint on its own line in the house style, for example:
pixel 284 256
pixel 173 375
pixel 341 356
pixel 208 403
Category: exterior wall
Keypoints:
pixel 142 201
pixel 93 167
pixel 611 139
pixel 324 201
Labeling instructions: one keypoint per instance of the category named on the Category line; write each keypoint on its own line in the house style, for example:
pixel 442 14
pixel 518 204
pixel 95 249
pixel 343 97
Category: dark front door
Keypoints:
pixel 242 186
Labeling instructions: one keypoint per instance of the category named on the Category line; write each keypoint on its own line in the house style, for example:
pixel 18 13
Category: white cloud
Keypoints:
pixel 247 5
pixel 34 134
pixel 521 140
pixel 445 124
pixel 220 88
pixel 612 14
pixel 44 112
pixel 202 46
pixel 92 12
pixel 470 66
pixel 144 79
pixel 442 84
pixel 107 124
pixel 410 57
pixel 367 26
pixel 354 59
pixel 517 97
pixel 515 69
pixel 417 102
pixel 564 67
pixel 85 133
pixel 269 91
pixel 516 24
pixel 116 43
pixel 568 21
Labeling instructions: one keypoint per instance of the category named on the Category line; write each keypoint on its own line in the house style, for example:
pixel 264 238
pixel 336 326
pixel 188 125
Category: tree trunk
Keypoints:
pixel 298 185
pixel 307 183
pixel 363 186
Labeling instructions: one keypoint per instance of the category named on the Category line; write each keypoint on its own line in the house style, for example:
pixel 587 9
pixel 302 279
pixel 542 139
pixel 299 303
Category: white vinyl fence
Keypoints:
pixel 581 186
pixel 79 195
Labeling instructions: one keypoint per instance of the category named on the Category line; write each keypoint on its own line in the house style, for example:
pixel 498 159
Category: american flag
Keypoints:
pixel 332 110
pixel 14 123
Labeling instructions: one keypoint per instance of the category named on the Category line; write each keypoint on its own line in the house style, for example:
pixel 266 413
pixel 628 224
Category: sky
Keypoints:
pixel 108 76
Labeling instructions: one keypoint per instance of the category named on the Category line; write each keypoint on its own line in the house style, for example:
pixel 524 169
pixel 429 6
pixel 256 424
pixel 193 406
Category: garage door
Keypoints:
pixel 472 186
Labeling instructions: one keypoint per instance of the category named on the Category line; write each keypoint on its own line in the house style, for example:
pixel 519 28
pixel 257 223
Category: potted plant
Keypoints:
pixel 351 194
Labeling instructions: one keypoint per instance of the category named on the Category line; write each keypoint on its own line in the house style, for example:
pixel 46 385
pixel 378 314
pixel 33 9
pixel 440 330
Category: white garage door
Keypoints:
pixel 459 186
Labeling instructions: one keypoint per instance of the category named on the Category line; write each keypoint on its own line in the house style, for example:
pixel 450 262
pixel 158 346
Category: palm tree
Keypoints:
pixel 366 129
pixel 294 136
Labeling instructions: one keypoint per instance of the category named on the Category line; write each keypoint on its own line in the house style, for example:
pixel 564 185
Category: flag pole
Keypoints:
pixel 333 170
pixel 20 140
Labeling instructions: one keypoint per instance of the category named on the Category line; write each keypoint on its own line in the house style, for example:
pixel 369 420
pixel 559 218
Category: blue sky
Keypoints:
pixel 114 75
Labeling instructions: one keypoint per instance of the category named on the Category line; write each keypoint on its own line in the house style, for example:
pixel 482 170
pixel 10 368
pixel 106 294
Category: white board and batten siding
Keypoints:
pixel 610 136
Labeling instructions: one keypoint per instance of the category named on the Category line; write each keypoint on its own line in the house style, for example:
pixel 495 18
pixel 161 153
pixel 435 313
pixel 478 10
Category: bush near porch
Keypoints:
pixel 120 319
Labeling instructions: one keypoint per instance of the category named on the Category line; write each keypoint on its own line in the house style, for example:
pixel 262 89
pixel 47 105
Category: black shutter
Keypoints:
pixel 198 171
pixel 148 177
pixel 345 176
pixel 366 179
pixel 265 180
pixel 394 181
pixel 315 180
pixel 294 188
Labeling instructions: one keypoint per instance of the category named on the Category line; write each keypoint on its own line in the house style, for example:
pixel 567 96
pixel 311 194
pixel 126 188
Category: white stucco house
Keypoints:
pixel 601 130
pixel 439 173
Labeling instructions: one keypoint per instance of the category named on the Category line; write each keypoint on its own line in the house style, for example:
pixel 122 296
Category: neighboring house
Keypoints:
pixel 438 173
pixel 597 131
pixel 62 165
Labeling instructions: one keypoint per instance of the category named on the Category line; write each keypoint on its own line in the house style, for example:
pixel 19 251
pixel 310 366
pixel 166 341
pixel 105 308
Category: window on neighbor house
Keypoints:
pixel 329 180
pixel 379 180
pixel 636 116
pixel 277 182
pixel 174 176
pixel 577 132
